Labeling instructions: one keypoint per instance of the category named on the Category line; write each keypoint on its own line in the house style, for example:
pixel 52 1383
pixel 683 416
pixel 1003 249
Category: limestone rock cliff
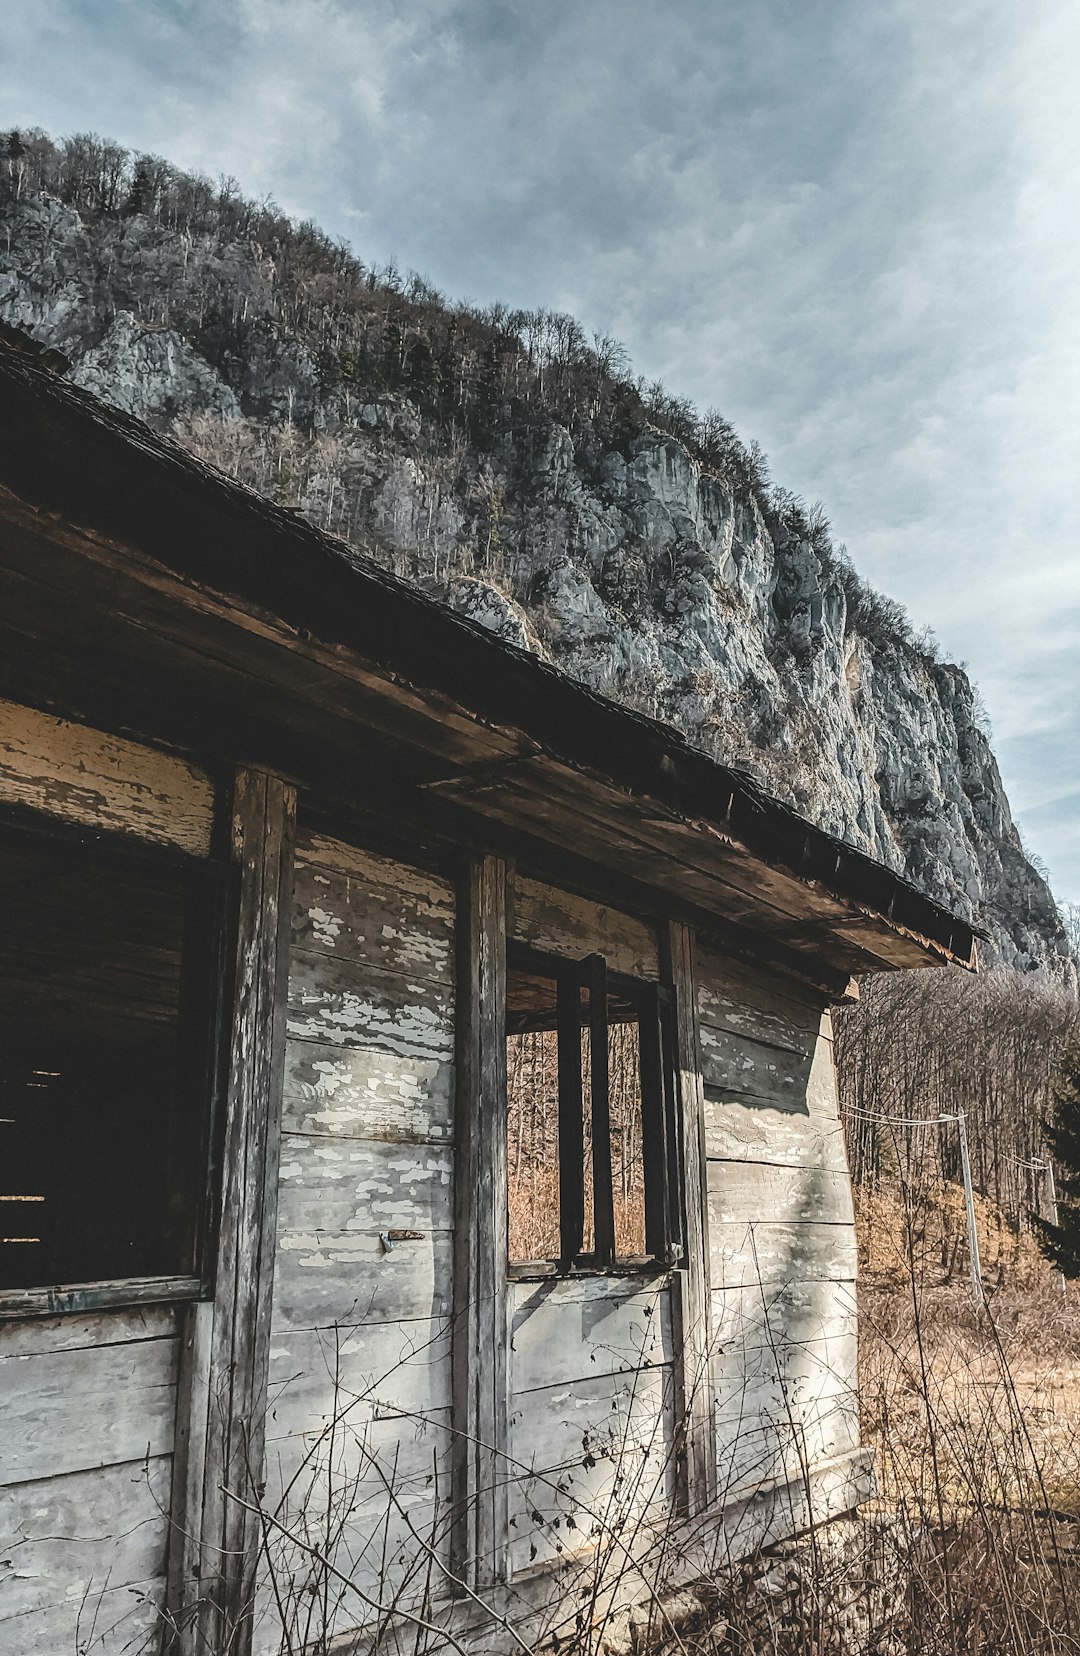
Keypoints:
pixel 632 564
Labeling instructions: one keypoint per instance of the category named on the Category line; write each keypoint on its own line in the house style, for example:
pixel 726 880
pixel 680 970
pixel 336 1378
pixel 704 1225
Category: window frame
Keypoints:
pixel 653 1003
pixel 205 996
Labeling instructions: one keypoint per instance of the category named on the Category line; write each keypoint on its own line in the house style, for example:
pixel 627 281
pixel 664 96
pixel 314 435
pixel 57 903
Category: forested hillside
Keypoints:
pixel 514 466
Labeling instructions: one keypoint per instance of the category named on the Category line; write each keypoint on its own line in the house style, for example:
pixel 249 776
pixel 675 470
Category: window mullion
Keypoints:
pixel 654 1137
pixel 603 1195
pixel 571 1118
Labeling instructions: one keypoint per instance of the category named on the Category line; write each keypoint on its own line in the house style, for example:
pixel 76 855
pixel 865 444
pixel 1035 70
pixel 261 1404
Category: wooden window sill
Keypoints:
pixel 94 1296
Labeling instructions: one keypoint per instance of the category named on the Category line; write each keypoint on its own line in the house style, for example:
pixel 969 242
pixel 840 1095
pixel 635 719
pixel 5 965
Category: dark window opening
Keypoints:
pixel 592 1168
pixel 105 973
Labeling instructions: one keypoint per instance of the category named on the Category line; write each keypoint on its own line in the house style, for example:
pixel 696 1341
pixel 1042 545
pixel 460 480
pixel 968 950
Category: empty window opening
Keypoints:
pixel 103 1060
pixel 587 1142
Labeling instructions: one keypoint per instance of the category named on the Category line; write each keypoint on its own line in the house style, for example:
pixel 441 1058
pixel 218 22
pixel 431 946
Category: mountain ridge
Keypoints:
pixel 514 469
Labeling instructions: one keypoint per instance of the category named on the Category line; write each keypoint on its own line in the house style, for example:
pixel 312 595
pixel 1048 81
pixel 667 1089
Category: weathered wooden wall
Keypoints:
pixel 357 1437
pixel 781 1227
pixel 87 1415
pixel 88 1400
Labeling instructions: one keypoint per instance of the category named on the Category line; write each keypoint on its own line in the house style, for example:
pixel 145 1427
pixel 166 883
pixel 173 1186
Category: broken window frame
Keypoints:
pixel 204 997
pixel 653 1006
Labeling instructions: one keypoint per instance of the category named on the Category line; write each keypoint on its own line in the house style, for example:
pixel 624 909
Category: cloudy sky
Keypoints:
pixel 849 224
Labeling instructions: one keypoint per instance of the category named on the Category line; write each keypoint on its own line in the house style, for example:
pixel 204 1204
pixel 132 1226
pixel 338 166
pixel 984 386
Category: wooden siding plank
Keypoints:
pixel 749 1192
pixel 368 1093
pixel 325 1276
pixel 480 1296
pixel 742 1065
pixel 344 1003
pixel 214 1576
pixel 387 924
pixel 120 1621
pixel 783 1314
pixel 104 781
pixel 587 1460
pixel 563 1331
pixel 34 1337
pixel 767 1252
pixel 66 1411
pixel 692 1301
pixel 357 1372
pixel 559 923
pixel 347 1186
pixel 63 1537
pixel 761 1443
pixel 747 1000
pixel 751 1130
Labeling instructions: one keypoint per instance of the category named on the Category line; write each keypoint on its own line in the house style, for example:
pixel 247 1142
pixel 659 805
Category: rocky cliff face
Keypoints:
pixel 633 566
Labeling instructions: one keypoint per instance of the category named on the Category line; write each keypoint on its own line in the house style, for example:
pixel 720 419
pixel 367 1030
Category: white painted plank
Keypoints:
pixel 753 1376
pixel 778 1253
pixel 738 997
pixel 61 1538
pixel 367 1092
pixel 323 1275
pixel 774 1314
pixel 338 856
pixel 783 1442
pixel 65 1411
pixel 588 1460
pixel 115 1621
pixel 349 1185
pixel 34 1336
pixel 346 1004
pixel 743 1192
pixel 564 1331
pixel 87 776
pixel 555 922
pixel 741 1065
pixel 352 916
pixel 359 1497
pixel 755 1131
pixel 356 1373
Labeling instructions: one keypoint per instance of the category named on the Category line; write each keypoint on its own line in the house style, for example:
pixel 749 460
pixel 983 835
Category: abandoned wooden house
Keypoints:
pixel 424 1207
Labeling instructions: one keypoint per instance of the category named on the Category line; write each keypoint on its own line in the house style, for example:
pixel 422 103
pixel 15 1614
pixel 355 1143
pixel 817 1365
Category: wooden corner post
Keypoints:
pixel 220 1431
pixel 694 1358
pixel 481 1407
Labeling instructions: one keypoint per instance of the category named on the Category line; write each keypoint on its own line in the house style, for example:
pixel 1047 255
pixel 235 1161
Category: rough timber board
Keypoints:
pixel 103 781
pixel 746 1000
pixel 354 1374
pixel 739 1066
pixel 773 1253
pixel 556 922
pixel 586 1458
pixel 66 1411
pixel 781 1316
pixel 753 1130
pixel 63 1537
pixel 349 1276
pixel 344 1003
pixel 564 1331
pixel 753 1192
pixel 367 1092
pixel 338 1186
pixel 399 922
pixel 33 1337
pixel 786 1442
pixel 116 1621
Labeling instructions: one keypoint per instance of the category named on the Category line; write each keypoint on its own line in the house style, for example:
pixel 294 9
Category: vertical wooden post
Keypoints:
pixel 694 1363
pixel 220 1431
pixel 481 1405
